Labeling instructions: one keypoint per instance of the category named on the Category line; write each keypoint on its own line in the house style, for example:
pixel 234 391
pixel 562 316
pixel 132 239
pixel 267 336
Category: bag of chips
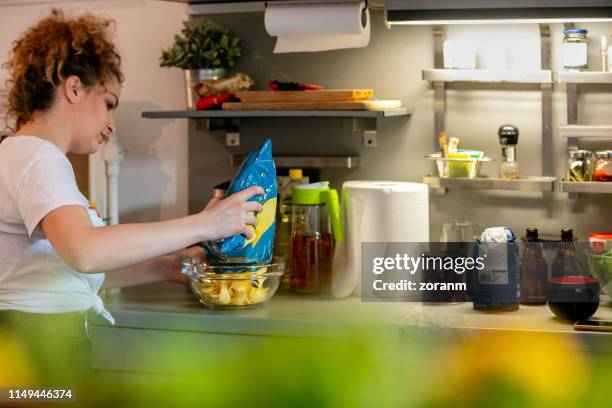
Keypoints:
pixel 257 169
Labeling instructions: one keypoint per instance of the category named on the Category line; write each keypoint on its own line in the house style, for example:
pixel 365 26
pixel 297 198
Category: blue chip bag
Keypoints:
pixel 257 169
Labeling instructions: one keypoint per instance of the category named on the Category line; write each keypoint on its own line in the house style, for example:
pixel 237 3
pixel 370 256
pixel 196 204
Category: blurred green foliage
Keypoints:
pixel 361 368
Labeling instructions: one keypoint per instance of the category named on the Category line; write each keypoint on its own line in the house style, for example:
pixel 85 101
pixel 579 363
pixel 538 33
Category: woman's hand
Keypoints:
pixel 222 218
pixel 173 263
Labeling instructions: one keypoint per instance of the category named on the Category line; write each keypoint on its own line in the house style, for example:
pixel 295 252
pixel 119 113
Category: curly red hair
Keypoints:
pixel 53 49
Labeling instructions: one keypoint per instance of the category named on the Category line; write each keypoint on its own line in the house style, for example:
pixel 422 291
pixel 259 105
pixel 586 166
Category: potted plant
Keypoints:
pixel 204 51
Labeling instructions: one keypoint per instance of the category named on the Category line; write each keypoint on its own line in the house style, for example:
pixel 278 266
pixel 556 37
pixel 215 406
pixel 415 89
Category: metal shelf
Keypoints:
pixel 588 187
pixel 209 114
pixel 584 131
pixel 315 162
pixel 584 77
pixel 487 183
pixel 488 75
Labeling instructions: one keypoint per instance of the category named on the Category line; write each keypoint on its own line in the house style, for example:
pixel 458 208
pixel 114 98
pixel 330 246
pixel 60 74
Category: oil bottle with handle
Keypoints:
pixel 317 225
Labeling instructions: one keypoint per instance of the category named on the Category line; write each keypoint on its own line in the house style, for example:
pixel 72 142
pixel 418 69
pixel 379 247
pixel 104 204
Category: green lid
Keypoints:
pixel 321 194
pixel 310 194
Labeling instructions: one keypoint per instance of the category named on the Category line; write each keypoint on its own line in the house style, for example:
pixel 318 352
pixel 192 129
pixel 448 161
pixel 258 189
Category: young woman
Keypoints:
pixel 55 253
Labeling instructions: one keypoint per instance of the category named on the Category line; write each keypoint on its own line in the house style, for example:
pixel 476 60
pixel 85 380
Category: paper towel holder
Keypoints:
pixel 365 5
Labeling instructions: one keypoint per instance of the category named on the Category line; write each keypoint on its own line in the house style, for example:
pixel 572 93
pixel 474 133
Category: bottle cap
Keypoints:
pixel 532 234
pixel 579 154
pixel 295 173
pixel 575 31
pixel 567 235
pixel 508 134
pixel 604 154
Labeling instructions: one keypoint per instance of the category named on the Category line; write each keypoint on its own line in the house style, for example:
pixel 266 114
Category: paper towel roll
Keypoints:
pixel 318 27
pixel 377 211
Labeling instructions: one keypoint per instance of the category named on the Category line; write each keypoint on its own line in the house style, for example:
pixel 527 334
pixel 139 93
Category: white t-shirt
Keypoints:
pixel 36 178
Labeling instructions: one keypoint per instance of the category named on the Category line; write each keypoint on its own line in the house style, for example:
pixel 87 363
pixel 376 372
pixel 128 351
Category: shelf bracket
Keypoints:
pixel 231 127
pixel 367 126
pixel 439 97
pixel 572 113
pixel 547 132
pixel 547 136
pixel 214 124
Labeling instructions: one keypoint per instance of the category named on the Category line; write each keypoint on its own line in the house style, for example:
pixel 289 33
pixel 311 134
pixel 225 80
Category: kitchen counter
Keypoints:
pixel 162 316
pixel 170 306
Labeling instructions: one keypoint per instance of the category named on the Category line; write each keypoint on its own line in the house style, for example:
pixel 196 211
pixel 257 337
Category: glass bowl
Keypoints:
pixel 453 167
pixel 233 286
pixel 600 267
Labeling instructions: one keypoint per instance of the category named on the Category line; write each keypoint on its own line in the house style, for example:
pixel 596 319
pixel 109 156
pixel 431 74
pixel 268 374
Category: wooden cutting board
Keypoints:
pixel 315 105
pixel 321 95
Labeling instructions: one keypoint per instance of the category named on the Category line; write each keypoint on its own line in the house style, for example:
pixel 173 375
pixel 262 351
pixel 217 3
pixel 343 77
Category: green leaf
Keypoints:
pixel 202 45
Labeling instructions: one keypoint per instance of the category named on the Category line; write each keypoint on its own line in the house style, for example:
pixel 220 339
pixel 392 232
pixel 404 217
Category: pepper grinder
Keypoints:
pixel 508 138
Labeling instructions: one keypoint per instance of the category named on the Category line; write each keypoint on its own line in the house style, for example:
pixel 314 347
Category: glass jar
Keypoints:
pixel 575 47
pixel 603 166
pixel 579 165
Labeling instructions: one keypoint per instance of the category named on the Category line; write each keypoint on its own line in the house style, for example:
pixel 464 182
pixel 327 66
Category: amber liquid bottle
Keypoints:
pixel 533 271
pixel 566 261
pixel 311 263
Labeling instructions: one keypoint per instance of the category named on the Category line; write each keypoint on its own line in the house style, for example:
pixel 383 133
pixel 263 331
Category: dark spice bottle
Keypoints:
pixel 566 261
pixel 533 271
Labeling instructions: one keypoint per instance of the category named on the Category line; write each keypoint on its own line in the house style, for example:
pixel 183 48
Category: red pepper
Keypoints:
pixel 292 86
pixel 213 101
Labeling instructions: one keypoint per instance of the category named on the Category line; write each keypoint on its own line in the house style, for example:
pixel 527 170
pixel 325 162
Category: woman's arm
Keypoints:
pixel 91 250
pixel 165 268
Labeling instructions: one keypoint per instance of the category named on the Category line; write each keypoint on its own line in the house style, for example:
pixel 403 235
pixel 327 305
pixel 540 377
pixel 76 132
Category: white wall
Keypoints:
pixel 153 182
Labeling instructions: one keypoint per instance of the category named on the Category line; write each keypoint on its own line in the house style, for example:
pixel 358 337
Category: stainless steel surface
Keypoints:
pixel 545 47
pixel 439 101
pixel 493 11
pixel 438 33
pixel 336 162
pixel 584 77
pixel 547 137
pixel 585 131
pixel 586 187
pixel 488 75
pixel 169 307
pixel 278 114
pixel 572 112
pixel 486 183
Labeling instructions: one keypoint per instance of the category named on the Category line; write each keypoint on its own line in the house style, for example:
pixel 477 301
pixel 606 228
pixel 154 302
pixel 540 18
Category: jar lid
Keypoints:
pixel 604 154
pixel 575 31
pixel 580 154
